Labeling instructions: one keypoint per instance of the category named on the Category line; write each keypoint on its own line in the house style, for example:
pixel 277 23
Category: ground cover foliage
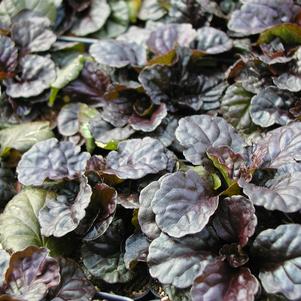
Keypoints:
pixel 150 147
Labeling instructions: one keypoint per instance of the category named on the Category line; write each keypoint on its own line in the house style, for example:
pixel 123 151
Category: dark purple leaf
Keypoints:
pixel 104 257
pixel 37 74
pixel 280 146
pixel 199 132
pixel 183 204
pixel 118 53
pixel 181 83
pixel 179 261
pixel 232 165
pixel 279 252
pixel 148 124
pixel 167 37
pixel 63 210
pixel 105 200
pixel 288 81
pixel 92 83
pixel 8 56
pixel 271 106
pixel 146 216
pixel 234 255
pixel 31 274
pixel 212 41
pixel 94 18
pixel 279 193
pixel 74 285
pixel 136 158
pixel 104 133
pixel 136 249
pixel 235 219
pixel 255 16
pixel 219 282
pixel 33 36
pixel 188 11
pixel 51 159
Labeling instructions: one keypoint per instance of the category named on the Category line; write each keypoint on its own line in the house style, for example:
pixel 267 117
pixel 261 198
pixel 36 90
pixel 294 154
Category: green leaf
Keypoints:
pixel 19 225
pixel 287 32
pixel 65 75
pixel 22 137
pixel 134 7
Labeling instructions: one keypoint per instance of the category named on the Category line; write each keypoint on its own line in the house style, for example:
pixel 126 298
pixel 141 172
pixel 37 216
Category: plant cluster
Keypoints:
pixel 150 148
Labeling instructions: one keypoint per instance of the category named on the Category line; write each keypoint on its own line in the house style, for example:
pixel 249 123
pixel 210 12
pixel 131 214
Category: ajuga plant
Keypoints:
pixel 150 149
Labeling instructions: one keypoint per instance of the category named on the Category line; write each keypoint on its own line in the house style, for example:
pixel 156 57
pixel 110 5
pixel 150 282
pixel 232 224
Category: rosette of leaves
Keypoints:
pixel 132 107
pixel 219 243
pixel 33 274
pixel 182 83
pixel 27 74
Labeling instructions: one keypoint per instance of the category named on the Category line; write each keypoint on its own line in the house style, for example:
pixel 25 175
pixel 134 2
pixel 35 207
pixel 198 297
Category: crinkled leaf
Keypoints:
pixel 74 118
pixel 136 249
pixel 187 11
pixel 151 10
pixel 280 193
pixel 63 211
pixel 66 75
pixel 104 257
pixel 94 19
pixel 231 165
pixel 19 225
pixel 22 137
pixel 91 83
pixel 105 200
pixel 104 133
pixel 270 106
pixel 51 159
pixel 37 74
pixel 255 16
pixel 136 158
pixel 118 54
pixel 235 219
pixel 199 132
pixel 212 41
pixel 279 252
pixel 179 261
pixel 146 216
pixel 32 36
pixel 31 274
pixel 166 130
pixel 288 81
pixel 117 112
pixel 280 146
pixel 8 56
pixel 167 37
pixel 219 282
pixel 74 285
pixel 181 83
pixel 235 106
pixel 148 124
pixel 10 8
pixel 183 204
